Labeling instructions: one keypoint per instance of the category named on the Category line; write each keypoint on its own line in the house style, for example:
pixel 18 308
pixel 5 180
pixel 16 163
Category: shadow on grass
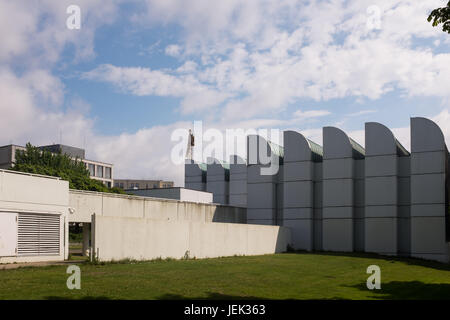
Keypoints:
pixel 406 290
pixel 82 298
pixel 210 296
pixel 410 261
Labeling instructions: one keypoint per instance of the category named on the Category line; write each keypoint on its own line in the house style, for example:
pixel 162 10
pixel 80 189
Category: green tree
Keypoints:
pixel 441 15
pixel 38 161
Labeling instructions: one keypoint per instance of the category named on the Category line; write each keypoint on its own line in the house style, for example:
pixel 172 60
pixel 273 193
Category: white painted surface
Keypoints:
pixel 8 234
pixel 87 203
pixel 35 194
pixel 145 239
pixel 175 193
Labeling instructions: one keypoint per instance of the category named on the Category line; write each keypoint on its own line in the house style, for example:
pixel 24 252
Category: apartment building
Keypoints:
pixel 142 184
pixel 101 171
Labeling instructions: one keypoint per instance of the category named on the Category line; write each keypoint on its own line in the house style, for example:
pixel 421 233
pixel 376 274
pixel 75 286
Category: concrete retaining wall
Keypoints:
pixel 86 203
pixel 116 238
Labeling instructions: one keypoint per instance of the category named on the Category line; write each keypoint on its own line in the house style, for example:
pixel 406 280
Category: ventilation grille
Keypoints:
pixel 39 234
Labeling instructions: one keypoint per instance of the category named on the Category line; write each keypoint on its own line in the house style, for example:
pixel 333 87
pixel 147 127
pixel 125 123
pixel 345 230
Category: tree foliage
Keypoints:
pixel 441 15
pixel 38 161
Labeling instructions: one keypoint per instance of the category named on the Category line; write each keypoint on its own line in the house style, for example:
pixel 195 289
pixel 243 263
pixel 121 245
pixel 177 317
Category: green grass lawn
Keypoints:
pixel 279 276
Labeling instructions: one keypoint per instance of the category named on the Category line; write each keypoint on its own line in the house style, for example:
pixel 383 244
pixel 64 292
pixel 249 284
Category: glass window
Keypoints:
pixel 137 185
pixel 107 172
pixel 121 185
pixel 91 168
pixel 132 185
pixel 99 172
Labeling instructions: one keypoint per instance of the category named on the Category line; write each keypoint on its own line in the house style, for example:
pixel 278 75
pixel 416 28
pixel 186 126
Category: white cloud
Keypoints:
pixel 361 113
pixel 173 50
pixel 265 55
pixel 311 114
pixel 144 81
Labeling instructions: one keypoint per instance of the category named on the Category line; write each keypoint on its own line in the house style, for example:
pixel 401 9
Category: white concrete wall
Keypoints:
pixel 117 238
pixel 429 158
pixel 86 203
pixel 27 193
pixel 238 182
pixel 175 193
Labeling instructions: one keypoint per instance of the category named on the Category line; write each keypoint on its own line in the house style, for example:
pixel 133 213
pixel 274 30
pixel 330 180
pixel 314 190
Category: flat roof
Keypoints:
pixel 30 174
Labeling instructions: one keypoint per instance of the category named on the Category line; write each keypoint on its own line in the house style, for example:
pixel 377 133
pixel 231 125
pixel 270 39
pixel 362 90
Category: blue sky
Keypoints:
pixel 138 70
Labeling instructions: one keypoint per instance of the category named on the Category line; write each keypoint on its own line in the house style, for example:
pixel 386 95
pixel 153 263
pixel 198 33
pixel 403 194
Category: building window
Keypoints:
pixel 109 184
pixel 99 172
pixel 137 185
pixel 107 172
pixel 91 168
pixel 121 185
pixel 132 186
pixel 116 184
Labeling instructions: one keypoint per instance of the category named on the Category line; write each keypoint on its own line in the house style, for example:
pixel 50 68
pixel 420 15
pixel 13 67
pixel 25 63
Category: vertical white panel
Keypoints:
pixel 8 234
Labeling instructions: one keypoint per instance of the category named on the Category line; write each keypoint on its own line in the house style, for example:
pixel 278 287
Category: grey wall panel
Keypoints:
pixel 238 200
pixel 338 168
pixel 298 194
pixel 238 187
pixel 262 189
pixel 429 158
pixel 217 181
pixel 338 191
pixel 428 188
pixel 381 190
pixel 238 182
pixel 194 176
pixel 379 166
pixel 298 186
pixel 381 235
pixel 298 171
pixel 428 162
pixel 261 195
pixel 337 234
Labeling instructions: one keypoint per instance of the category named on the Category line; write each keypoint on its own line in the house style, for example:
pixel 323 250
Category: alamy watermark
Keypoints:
pixel 74 280
pixel 374 281
pixel 213 145
pixel 73 21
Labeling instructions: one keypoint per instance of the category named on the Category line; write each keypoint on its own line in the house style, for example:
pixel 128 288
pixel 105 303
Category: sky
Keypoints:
pixel 136 71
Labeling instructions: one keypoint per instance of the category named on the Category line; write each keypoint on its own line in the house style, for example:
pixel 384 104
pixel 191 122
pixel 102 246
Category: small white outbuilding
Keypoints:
pixel 33 217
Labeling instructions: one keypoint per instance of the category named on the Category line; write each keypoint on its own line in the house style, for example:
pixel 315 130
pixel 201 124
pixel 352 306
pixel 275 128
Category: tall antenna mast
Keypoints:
pixel 190 146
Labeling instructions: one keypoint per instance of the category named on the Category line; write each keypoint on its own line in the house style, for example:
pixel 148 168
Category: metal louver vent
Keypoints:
pixel 38 234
